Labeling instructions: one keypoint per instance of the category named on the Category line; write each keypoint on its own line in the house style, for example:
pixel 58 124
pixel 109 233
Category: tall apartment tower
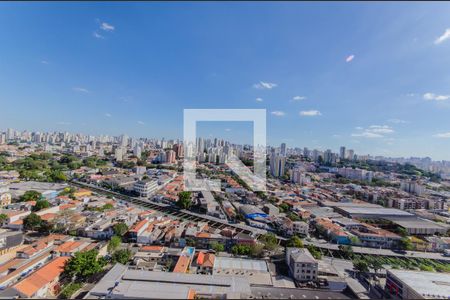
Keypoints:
pixel 342 152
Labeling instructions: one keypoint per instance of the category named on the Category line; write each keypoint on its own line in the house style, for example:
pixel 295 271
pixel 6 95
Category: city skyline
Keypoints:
pixel 373 77
pixel 134 139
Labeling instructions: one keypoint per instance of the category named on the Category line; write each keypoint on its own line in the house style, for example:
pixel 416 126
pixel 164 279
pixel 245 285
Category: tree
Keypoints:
pixel 120 229
pixel 269 240
pixel 32 222
pixel 41 204
pixel 256 250
pixel 315 252
pixel 107 206
pixel 69 290
pixel 405 243
pixel 361 265
pixel 31 196
pixel 426 268
pixel 114 243
pixel 57 176
pixel 121 256
pixel 401 231
pixel 375 264
pixel 184 200
pixel 355 240
pixel 83 265
pixel 3 218
pixel 295 241
pixel 241 249
pixel 217 247
pixel 283 207
pixel 346 250
pixel 294 217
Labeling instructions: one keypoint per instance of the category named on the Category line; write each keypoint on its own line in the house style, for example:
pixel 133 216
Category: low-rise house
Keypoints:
pixel 371 236
pixel 70 248
pixel 42 283
pixel 205 263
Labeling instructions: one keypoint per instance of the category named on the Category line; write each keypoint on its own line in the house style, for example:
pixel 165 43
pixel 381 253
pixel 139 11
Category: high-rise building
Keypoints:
pixel 179 150
pixel 171 157
pixel 137 151
pixel 342 153
pixel 277 165
pixel 118 154
pixel 351 154
pixel 283 149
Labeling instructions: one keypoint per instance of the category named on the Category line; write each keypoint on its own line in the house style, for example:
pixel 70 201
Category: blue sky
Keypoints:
pixel 372 76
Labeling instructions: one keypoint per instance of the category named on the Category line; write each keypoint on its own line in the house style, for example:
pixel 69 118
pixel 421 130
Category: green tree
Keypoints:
pixel 346 250
pixel 426 268
pixel 269 240
pixel 69 289
pixel 283 207
pixel 41 204
pixel 406 244
pixel 3 218
pixel 401 231
pixel 256 250
pixel 120 229
pixel 315 252
pixel 295 241
pixel 184 200
pixel 241 249
pixel 360 265
pixel 57 176
pixel 121 256
pixel 31 196
pixel 107 206
pixel 355 240
pixel 114 243
pixel 375 264
pixel 218 247
pixel 294 217
pixel 32 222
pixel 83 265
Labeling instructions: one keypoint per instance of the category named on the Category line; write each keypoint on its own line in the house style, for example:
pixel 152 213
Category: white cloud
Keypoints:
pixel 140 122
pixel 310 113
pixel 373 131
pixel 44 62
pixel 278 113
pixel 298 98
pixel 64 123
pixel 445 36
pixel 445 135
pixel 81 90
pixel 431 97
pixel 107 27
pixel 97 35
pixel 367 134
pixel 265 85
pixel 228 129
pixel 380 129
pixel 349 58
pixel 259 99
pixel 108 115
